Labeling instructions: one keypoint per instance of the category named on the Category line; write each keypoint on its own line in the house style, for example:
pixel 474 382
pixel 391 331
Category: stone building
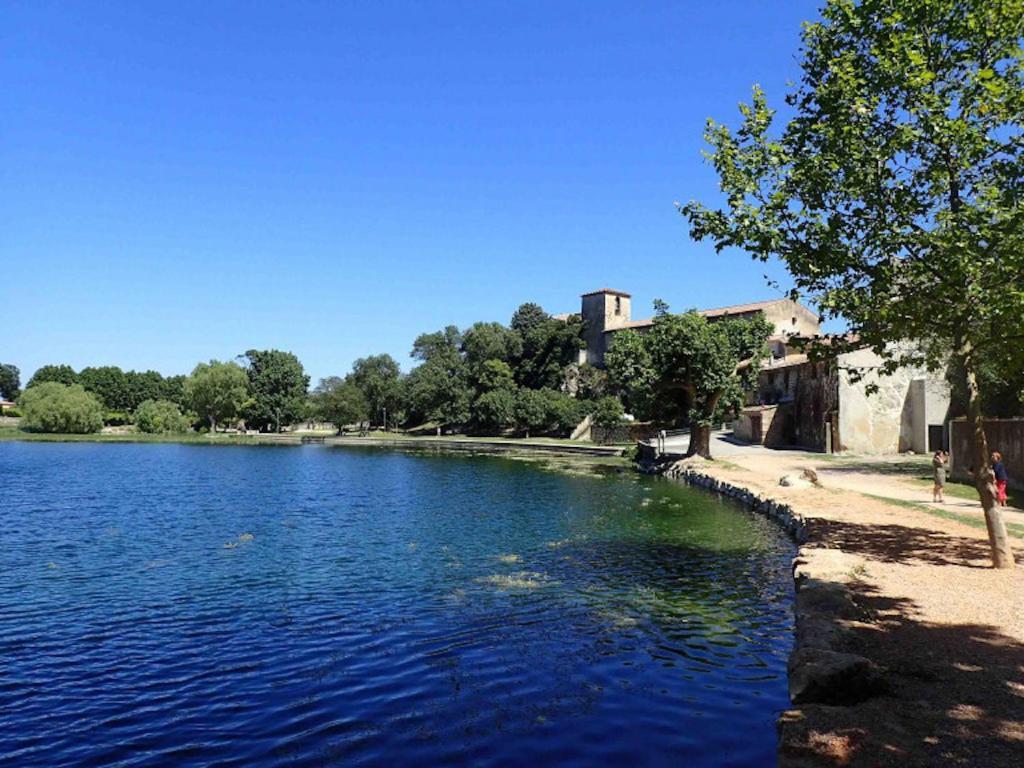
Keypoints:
pixel 821 405
pixel 827 405
pixel 607 311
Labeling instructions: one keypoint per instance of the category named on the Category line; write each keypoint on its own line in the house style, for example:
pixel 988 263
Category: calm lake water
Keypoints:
pixel 193 605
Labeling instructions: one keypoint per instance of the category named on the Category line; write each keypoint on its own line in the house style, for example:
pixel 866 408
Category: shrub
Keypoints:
pixel 55 407
pixel 563 412
pixel 161 417
pixel 608 412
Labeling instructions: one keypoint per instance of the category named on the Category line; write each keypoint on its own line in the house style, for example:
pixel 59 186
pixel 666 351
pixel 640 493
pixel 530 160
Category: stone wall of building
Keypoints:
pixel 815 404
pixel 884 421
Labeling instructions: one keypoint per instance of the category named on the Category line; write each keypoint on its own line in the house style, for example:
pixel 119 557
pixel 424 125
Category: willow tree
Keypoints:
pixel 690 358
pixel 894 192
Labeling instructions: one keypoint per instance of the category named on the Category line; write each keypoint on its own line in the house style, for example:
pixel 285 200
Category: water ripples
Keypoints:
pixel 377 608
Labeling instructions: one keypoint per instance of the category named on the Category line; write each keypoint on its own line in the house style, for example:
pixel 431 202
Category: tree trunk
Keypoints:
pixel 700 440
pixel 213 424
pixel 984 478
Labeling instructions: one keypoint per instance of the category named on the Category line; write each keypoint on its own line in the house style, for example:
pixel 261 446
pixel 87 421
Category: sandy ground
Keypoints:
pixel 947 628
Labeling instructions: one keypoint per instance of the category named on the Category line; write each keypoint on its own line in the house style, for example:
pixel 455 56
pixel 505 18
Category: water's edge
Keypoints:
pixel 816 667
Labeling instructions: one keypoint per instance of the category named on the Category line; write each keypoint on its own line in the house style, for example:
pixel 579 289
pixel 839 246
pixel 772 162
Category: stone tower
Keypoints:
pixel 603 310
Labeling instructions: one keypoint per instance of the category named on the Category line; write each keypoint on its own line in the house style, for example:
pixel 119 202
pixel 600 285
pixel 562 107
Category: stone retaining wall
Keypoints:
pixel 791 522
pixel 822 670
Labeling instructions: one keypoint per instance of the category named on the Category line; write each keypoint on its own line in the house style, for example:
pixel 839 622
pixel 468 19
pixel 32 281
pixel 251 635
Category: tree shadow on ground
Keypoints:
pixel 956 697
pixel 900 543
pixel 892 468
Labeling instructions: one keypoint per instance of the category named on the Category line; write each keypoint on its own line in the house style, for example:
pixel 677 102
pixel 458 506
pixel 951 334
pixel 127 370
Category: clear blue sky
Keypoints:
pixel 185 181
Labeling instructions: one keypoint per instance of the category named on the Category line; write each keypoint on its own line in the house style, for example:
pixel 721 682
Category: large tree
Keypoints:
pixel 62 374
pixel 277 388
pixel 110 384
pixel 50 406
pixel 438 390
pixel 689 357
pixel 10 381
pixel 548 347
pixel 895 193
pixel 217 391
pixel 339 402
pixel 380 380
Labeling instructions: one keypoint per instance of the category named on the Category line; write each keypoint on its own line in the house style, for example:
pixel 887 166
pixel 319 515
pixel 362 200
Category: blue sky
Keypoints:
pixel 185 181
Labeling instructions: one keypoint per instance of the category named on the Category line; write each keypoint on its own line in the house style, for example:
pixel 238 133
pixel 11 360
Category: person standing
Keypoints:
pixel 999 469
pixel 939 470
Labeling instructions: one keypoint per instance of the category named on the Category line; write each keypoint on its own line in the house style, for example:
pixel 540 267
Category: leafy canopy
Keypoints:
pixel 689 357
pixel 894 195
pixel 339 402
pixel 217 391
pixel 161 417
pixel 62 374
pixel 277 388
pixel 10 381
pixel 54 407
pixel 379 379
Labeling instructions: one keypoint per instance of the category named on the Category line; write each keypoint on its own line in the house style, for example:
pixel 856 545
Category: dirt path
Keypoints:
pixel 946 629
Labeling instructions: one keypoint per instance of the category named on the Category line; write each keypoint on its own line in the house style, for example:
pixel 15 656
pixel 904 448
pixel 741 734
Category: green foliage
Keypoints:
pixel 109 384
pixel 216 391
pixel 563 412
pixel 439 390
pixel 172 388
pixel 10 381
pixel 490 341
pixel 62 374
pixel 593 382
pixel 495 374
pixel 893 195
pixel 528 317
pixel 339 402
pixel 161 417
pixel 439 393
pixel 688 359
pixel 548 347
pixel 54 407
pixel 608 412
pixel 379 379
pixel 121 392
pixel 530 412
pixel 495 410
pixel 277 389
pixel 441 344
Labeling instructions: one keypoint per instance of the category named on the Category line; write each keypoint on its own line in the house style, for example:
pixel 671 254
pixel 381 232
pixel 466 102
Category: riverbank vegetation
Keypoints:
pixel 489 379
pixel 523 379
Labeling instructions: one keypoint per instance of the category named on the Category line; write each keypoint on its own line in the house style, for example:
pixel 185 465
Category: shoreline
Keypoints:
pixel 902 652
pixel 463 444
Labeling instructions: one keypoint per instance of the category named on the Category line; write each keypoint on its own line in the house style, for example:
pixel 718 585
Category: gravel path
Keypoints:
pixel 947 628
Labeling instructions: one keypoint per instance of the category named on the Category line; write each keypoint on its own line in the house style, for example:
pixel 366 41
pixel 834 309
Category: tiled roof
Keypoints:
pixel 612 291
pixel 739 309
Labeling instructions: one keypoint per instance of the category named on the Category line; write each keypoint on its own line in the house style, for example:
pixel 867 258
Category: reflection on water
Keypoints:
pixel 192 605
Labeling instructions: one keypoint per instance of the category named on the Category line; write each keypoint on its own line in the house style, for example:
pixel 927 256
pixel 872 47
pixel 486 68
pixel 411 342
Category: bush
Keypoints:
pixel 608 412
pixel 55 407
pixel 563 412
pixel 161 417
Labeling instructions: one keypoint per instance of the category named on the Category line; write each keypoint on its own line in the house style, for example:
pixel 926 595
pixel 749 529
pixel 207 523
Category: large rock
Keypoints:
pixel 828 677
pixel 794 481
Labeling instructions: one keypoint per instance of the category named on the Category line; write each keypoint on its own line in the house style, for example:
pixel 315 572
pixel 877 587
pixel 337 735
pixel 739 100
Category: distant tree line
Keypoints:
pixel 522 378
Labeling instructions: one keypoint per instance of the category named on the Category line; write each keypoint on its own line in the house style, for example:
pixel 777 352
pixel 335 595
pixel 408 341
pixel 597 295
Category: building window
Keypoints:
pixel 794 320
pixel 618 305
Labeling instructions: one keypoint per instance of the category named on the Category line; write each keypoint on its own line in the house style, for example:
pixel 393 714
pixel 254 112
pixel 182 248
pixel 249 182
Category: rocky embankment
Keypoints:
pixel 823 667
